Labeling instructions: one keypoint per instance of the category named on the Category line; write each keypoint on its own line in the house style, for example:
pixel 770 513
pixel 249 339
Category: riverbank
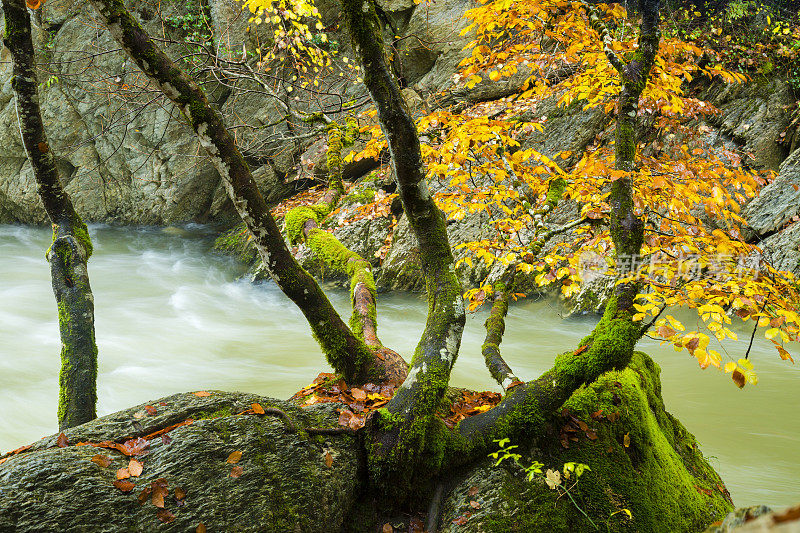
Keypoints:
pixel 173 317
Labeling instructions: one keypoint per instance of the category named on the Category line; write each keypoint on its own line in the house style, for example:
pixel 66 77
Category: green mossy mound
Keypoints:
pixel 661 476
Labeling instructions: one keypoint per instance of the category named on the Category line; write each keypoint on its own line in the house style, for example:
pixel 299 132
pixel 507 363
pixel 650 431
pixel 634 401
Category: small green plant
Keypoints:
pixel 553 478
pixel 52 80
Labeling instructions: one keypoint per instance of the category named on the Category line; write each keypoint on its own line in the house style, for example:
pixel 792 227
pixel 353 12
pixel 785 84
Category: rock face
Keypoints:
pixel 286 481
pixel 642 460
pixel 778 202
pixel 772 217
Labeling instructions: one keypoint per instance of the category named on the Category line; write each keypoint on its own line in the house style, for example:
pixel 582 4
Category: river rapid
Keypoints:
pixel 171 316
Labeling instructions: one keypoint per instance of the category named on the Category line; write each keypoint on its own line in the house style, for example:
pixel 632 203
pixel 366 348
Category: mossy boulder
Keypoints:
pixel 289 481
pixel 642 459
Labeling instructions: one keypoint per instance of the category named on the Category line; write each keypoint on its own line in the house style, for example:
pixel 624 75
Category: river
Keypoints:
pixel 171 316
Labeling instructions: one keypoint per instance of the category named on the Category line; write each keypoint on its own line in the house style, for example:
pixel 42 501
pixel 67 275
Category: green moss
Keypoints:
pixel 238 242
pixel 361 195
pixel 661 477
pixel 297 217
pixel 555 190
pixel 219 413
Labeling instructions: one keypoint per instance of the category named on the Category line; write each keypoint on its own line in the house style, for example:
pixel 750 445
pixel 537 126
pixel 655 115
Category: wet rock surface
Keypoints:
pixel 286 481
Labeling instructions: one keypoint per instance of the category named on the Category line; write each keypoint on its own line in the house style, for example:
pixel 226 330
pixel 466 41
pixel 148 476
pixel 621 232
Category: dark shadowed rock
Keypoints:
pixel 285 482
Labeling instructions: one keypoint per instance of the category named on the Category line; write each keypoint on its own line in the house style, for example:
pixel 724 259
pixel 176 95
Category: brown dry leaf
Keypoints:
pixel 136 446
pixel 102 460
pixel 201 528
pixel 236 471
pixel 473 490
pixel 234 457
pixel 344 418
pixel 387 528
pixel 150 409
pixel 356 422
pixel 328 459
pixel 626 440
pixel 123 473
pixel 583 425
pixel 62 441
pixel 738 378
pixel 165 516
pixel 124 486
pixel 475 505
pixel 180 494
pixel 145 494
pixel 166 439
pixel 135 468
pixel 158 499
pixel 591 434
pixel 257 409
pixel 202 393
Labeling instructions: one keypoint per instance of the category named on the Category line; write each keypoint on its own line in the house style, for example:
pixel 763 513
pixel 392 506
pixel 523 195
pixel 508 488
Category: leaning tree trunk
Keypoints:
pixel 345 352
pixel 71 246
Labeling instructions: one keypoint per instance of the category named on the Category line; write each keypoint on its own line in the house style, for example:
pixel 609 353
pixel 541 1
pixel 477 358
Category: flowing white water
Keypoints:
pixel 172 317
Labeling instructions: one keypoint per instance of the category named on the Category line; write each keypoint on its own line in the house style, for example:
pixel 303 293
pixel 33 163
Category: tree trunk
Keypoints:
pixel 71 246
pixel 401 438
pixel 346 353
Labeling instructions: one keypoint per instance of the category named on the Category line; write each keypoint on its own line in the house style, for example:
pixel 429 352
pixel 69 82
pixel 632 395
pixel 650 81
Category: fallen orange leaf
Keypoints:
pixel 234 457
pixel 236 471
pixel 257 409
pixel 102 460
pixel 124 486
pixel 202 393
pixel 135 468
pixel 62 440
pixel 123 473
pixel 328 459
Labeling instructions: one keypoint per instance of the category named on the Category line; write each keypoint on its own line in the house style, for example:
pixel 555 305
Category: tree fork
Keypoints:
pixel 525 411
pixel 345 352
pixel 401 438
pixel 71 246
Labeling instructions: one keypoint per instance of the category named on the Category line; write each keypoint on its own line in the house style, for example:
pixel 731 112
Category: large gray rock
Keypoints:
pixel 433 35
pixel 753 115
pixel 286 483
pixel 782 250
pixel 779 201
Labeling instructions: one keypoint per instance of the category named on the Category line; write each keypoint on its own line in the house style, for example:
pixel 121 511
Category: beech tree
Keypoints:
pixel 405 441
pixel 71 247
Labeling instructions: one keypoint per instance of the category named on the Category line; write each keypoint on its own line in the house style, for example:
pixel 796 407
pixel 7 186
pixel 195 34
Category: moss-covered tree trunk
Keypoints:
pixel 345 352
pixel 71 246
pixel 402 437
